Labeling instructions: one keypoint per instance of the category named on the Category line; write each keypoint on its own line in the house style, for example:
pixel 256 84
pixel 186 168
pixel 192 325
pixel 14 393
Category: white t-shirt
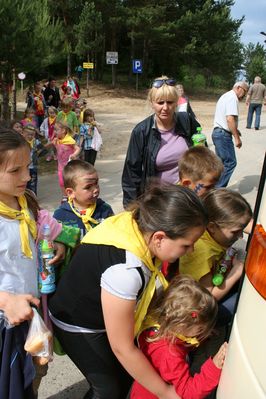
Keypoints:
pixel 226 105
pixel 18 274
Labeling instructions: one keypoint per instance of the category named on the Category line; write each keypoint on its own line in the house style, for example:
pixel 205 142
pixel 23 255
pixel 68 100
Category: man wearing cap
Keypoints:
pixel 256 96
pixel 226 129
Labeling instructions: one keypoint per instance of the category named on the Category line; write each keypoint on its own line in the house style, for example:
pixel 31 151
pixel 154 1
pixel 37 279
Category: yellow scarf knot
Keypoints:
pixel 86 217
pixel 26 224
pixel 149 322
pixel 68 140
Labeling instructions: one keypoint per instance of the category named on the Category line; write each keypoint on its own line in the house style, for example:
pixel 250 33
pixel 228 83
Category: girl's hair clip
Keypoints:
pixel 194 315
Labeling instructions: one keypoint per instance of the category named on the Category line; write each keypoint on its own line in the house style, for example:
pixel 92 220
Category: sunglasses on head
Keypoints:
pixel 159 82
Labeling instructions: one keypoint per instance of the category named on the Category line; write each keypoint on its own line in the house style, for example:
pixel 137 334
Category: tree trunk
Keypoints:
pixel 132 56
pixel 14 100
pixel 68 64
pixel 145 58
pixel 5 97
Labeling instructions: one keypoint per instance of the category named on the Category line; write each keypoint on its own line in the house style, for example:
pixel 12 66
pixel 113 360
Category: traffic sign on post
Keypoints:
pixel 137 66
pixel 112 57
pixel 88 65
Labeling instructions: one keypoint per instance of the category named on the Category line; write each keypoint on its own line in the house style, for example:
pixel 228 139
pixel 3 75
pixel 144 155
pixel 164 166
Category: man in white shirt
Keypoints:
pixel 226 128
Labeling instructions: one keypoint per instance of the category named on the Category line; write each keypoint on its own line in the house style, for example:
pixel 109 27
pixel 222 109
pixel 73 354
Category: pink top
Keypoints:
pixel 44 217
pixel 171 150
pixel 63 153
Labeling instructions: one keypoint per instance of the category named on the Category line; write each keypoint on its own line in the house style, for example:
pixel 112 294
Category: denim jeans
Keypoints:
pixel 251 109
pixel 224 148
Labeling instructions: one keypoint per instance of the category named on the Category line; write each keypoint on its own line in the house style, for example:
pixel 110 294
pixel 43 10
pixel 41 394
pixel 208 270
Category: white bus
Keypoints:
pixel 244 371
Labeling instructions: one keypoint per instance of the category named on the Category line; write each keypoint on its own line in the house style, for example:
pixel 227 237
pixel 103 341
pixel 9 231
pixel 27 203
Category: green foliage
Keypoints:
pixel 255 61
pixel 29 37
pixel 168 35
pixel 89 31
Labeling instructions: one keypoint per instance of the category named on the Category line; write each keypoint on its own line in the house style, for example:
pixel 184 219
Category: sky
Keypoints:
pixel 255 19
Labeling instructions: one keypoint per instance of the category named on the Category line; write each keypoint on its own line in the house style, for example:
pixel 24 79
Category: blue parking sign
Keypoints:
pixel 137 66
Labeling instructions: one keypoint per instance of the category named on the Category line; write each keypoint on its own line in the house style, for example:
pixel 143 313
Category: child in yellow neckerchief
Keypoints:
pixel 19 222
pixel 179 319
pixel 83 209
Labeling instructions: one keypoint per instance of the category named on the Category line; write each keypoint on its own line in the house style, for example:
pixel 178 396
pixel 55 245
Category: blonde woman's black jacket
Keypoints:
pixel 142 151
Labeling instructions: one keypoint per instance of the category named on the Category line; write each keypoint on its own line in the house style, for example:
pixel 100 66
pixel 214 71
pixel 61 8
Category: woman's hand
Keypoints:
pixel 60 253
pixel 17 307
pixel 218 359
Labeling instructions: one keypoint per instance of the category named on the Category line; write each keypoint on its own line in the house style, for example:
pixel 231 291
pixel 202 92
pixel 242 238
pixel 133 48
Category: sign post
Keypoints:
pixel 21 77
pixel 137 69
pixel 88 65
pixel 112 59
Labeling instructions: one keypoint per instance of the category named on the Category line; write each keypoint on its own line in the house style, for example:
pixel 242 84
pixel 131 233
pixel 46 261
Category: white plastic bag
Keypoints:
pixel 39 340
pixel 97 140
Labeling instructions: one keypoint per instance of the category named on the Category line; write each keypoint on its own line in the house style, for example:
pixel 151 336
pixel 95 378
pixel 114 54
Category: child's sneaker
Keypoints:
pixel 55 158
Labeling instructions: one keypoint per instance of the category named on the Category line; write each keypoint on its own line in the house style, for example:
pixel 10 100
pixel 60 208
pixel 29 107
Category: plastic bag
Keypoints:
pixel 39 340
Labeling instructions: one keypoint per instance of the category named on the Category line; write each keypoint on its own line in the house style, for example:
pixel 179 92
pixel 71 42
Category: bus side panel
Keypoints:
pixel 244 375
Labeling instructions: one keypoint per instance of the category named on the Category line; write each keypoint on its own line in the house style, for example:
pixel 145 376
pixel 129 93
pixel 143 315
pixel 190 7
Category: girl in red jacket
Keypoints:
pixel 181 318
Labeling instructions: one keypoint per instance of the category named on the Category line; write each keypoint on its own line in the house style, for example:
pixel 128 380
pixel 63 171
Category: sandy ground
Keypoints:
pixel 118 112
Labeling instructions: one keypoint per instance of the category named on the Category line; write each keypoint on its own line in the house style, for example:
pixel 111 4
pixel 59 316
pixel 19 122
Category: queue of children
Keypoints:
pixel 97 316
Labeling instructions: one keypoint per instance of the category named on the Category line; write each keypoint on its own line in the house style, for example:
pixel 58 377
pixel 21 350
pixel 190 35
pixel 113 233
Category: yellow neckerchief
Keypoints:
pixel 68 139
pixel 26 224
pixel 149 322
pixel 122 232
pixel 51 120
pixel 28 119
pixel 65 115
pixel 31 143
pixel 86 217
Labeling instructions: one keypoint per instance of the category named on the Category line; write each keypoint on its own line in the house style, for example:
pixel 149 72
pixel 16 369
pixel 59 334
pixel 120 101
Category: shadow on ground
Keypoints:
pixel 75 391
pixel 247 184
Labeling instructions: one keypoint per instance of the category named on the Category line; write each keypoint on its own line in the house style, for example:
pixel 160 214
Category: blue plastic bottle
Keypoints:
pixel 47 272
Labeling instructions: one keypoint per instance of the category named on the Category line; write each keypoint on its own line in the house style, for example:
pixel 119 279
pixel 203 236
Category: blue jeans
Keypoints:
pixel 224 148
pixel 251 109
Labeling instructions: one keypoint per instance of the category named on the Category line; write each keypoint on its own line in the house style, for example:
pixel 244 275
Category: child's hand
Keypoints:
pixel 218 359
pixel 60 253
pixel 18 307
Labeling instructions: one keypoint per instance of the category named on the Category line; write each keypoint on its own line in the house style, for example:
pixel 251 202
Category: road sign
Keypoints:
pixel 112 57
pixel 88 65
pixel 137 66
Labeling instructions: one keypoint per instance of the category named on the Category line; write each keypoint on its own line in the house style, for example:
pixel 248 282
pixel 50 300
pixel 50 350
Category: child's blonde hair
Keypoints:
pixel 65 127
pixel 52 108
pixel 199 161
pixel 226 207
pixel 184 305
pixel 165 92
pixel 67 103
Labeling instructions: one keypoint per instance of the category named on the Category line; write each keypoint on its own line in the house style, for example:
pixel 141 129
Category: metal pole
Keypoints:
pixel 137 82
pixel 87 84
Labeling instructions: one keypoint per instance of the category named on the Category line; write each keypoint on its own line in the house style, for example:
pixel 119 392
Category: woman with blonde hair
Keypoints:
pixel 156 144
